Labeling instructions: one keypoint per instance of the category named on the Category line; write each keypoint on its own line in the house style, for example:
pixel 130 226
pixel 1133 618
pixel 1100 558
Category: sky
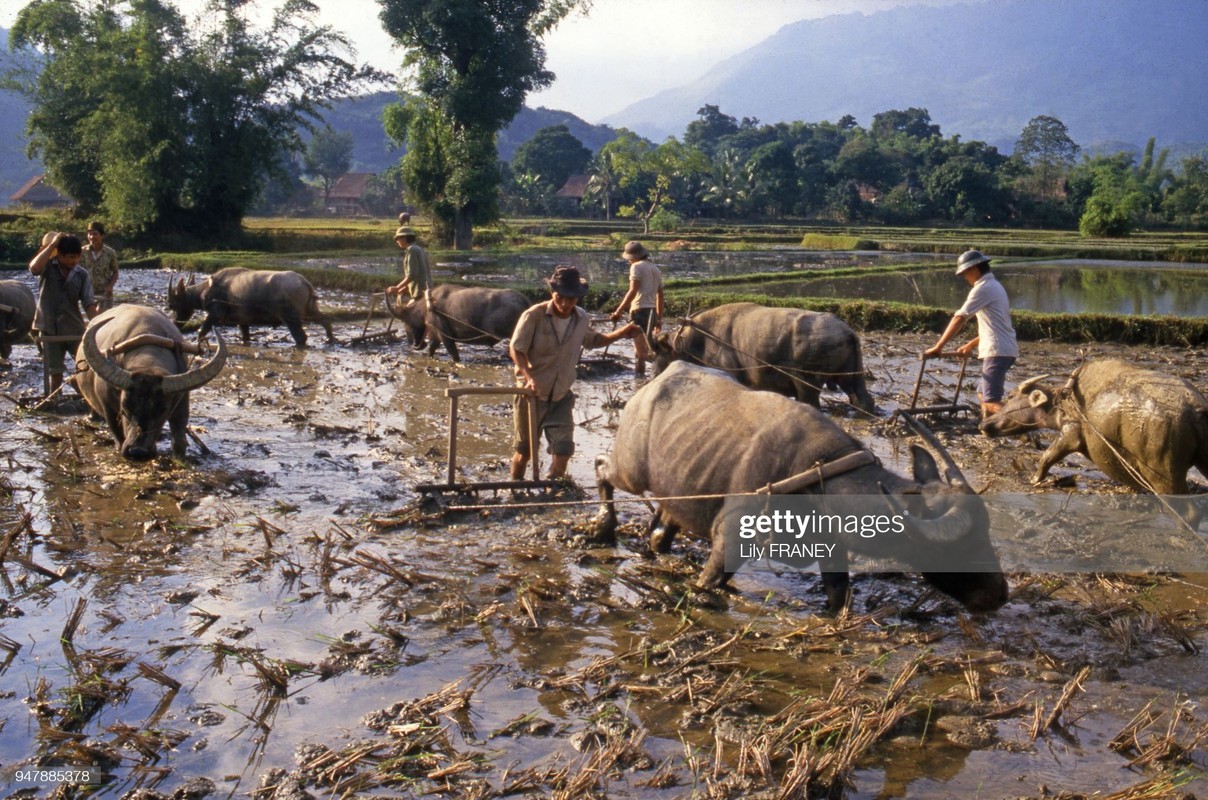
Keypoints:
pixel 621 52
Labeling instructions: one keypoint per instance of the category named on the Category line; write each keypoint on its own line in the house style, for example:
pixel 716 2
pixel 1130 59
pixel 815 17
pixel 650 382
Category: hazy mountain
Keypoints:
pixel 1119 70
pixel 15 168
pixel 362 116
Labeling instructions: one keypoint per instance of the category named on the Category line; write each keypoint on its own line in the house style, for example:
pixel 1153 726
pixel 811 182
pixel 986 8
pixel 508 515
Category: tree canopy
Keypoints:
pixel 552 156
pixel 162 125
pixel 328 156
pixel 473 62
pixel 1045 145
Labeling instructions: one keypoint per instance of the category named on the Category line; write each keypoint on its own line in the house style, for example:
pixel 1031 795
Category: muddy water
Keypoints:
pixel 288 605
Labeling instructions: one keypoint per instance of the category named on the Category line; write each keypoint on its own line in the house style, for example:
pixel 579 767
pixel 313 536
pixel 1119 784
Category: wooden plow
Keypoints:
pixel 947 408
pixel 464 487
pixel 387 335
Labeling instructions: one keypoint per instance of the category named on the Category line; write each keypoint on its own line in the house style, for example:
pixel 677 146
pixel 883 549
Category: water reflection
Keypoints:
pixel 1054 288
pixel 606 267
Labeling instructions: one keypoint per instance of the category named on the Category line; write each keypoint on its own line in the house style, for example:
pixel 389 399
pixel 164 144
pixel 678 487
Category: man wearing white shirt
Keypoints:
pixel 995 339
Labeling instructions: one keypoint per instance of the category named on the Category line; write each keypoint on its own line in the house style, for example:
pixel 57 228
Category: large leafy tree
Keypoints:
pixel 707 131
pixel 472 63
pixel 162 125
pixel 655 179
pixel 553 155
pixel 328 156
pixel 1045 146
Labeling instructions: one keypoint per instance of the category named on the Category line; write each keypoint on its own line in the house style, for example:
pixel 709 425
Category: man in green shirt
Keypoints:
pixel 417 273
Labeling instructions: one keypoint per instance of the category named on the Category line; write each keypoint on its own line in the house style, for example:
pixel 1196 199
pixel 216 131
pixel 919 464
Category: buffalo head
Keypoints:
pixel 945 515
pixel 1028 407
pixel 182 300
pixel 147 398
pixel 414 316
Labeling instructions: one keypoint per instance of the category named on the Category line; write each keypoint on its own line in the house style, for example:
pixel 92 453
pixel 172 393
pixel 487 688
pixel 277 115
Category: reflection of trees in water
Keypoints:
pixel 1052 290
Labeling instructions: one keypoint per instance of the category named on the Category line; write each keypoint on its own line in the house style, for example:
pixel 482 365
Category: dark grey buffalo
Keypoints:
pixel 786 350
pixel 132 371
pixel 693 431
pixel 1143 428
pixel 16 314
pixel 455 315
pixel 245 297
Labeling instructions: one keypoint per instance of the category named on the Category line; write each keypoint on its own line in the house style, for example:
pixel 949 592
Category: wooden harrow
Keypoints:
pixel 387 335
pixel 463 487
pixel 948 408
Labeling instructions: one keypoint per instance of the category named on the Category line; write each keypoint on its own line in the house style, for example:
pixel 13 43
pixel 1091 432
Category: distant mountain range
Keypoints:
pixel 1112 70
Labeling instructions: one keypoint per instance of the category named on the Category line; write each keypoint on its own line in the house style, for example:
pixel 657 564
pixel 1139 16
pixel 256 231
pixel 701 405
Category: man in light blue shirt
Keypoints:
pixel 995 340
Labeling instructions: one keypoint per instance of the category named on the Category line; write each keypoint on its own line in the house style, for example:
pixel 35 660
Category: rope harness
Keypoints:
pixel 431 308
pixel 789 372
pixel 817 473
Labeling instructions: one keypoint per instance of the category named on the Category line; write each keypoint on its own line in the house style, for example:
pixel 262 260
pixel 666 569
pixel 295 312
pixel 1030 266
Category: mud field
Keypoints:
pixel 278 617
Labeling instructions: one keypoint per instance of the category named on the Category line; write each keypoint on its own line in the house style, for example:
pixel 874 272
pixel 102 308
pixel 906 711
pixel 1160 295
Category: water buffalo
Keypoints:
pixel 17 306
pixel 784 350
pixel 461 314
pixel 132 372
pixel 244 297
pixel 1143 428
pixel 695 431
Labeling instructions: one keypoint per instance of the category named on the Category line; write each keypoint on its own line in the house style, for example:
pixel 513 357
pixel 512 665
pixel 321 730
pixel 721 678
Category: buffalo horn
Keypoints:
pixel 1030 383
pixel 951 526
pixel 106 369
pixel 199 376
pixel 952 473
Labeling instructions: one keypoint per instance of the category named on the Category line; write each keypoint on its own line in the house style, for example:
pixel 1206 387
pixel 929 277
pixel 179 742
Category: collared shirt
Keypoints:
pixel 988 300
pixel 553 355
pixel 649 279
pixel 102 266
pixel 60 300
pixel 416 267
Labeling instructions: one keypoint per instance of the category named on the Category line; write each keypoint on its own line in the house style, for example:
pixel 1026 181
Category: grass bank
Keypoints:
pixel 905 318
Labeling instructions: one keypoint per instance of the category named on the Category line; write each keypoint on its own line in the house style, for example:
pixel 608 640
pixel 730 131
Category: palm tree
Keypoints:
pixel 601 182
pixel 728 187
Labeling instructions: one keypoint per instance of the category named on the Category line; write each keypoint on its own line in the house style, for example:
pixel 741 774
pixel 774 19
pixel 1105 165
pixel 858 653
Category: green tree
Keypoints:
pixel 328 155
pixel 473 63
pixel 1118 198
pixel 384 195
pixel 1187 201
pixel 1045 146
pixel 706 133
pixel 913 122
pixel 602 181
pixel 159 126
pixel 728 188
pixel 775 175
pixel 554 154
pixel 656 178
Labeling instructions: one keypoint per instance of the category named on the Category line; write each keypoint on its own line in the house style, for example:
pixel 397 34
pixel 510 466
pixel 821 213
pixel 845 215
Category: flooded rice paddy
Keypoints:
pixel 279 617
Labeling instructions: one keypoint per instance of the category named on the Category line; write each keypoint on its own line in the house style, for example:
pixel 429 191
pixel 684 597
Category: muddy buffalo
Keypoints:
pixel 455 315
pixel 132 371
pixel 786 350
pixel 17 306
pixel 1143 428
pixel 244 297
pixel 693 431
